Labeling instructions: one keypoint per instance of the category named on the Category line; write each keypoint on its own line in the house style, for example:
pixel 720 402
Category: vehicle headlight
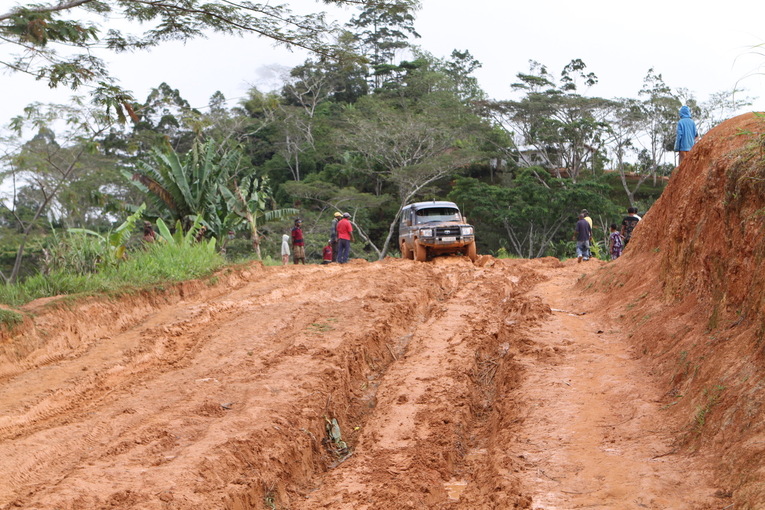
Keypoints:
pixel 426 232
pixel 467 231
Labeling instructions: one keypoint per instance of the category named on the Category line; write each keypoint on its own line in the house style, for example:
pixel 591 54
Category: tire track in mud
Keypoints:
pixel 443 378
pixel 204 395
pixel 594 432
pixel 430 441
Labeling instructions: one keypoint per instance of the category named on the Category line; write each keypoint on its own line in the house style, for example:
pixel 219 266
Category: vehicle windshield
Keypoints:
pixel 432 214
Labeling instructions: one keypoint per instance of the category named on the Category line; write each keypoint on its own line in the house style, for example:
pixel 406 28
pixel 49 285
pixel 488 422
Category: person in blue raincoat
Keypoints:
pixel 687 134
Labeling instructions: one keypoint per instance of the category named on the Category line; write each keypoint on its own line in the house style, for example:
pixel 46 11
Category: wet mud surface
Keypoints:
pixel 395 384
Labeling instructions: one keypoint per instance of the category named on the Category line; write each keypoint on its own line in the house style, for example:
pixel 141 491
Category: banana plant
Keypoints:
pixel 187 186
pixel 181 238
pixel 115 240
pixel 248 200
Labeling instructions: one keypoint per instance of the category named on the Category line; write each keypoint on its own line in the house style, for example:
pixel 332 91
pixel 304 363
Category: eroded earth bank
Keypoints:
pixel 396 384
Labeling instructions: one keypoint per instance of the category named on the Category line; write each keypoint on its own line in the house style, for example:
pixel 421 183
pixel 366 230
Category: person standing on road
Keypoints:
pixel 298 245
pixel 628 225
pixel 333 235
pixel 344 238
pixel 285 249
pixel 687 134
pixel 588 220
pixel 614 242
pixel 582 235
pixel 326 253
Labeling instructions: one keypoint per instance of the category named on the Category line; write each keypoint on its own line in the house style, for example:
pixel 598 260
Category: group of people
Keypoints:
pixel 337 249
pixel 617 238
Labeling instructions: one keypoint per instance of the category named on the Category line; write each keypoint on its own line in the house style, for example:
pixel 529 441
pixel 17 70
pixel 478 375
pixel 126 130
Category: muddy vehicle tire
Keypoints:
pixel 471 251
pixel 420 252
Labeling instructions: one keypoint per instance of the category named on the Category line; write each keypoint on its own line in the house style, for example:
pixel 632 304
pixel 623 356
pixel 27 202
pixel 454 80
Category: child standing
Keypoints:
pixel 327 253
pixel 615 242
pixel 285 249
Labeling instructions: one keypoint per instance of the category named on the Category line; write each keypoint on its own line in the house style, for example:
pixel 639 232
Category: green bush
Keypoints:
pixel 159 262
pixel 72 252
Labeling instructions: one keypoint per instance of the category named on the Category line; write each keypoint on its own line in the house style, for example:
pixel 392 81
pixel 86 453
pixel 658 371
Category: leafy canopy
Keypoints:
pixel 59 41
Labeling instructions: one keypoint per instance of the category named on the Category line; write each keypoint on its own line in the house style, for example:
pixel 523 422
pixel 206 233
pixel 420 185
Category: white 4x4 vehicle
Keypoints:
pixel 434 228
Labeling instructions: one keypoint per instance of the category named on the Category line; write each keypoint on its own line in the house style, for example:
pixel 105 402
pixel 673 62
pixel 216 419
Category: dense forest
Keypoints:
pixel 369 123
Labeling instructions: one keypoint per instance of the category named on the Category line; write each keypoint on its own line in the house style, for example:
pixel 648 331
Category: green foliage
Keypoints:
pixel 712 397
pixel 10 318
pixel 113 245
pixel 74 253
pixel 532 214
pixel 59 49
pixel 160 262
pixel 186 186
pixel 186 239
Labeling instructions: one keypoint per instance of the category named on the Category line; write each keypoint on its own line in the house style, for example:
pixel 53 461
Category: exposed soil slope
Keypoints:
pixel 690 294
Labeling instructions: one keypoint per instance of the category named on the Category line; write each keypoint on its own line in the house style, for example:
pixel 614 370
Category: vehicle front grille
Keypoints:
pixel 447 231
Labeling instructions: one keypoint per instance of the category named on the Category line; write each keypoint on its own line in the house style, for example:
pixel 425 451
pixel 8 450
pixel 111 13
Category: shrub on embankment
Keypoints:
pixel 690 292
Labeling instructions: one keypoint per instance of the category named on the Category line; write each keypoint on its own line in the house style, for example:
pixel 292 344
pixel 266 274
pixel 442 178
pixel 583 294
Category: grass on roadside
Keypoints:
pixel 160 262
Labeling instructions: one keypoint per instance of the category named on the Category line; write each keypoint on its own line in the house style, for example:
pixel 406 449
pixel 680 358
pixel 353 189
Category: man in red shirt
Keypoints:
pixel 344 238
pixel 298 245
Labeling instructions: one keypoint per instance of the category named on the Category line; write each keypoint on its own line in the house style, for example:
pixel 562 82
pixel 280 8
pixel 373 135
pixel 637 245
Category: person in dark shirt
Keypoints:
pixel 333 235
pixel 628 225
pixel 582 235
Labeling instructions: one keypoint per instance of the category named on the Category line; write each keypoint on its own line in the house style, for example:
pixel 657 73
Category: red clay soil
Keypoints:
pixel 530 384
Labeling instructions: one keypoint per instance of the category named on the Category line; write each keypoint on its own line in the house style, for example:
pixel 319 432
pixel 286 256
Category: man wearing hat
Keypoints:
pixel 298 245
pixel 333 235
pixel 344 238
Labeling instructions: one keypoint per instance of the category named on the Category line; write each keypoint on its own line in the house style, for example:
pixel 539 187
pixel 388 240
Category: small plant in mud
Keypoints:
pixel 334 443
pixel 322 326
pixel 712 399
pixel 269 499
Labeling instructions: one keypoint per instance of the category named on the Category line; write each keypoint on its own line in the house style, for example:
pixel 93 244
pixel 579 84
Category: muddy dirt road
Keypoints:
pixel 396 384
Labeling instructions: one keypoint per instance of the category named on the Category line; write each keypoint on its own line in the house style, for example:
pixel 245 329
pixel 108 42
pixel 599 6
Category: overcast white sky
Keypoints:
pixel 704 47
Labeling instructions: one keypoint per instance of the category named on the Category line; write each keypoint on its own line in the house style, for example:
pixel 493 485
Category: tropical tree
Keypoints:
pixel 409 148
pixel 532 214
pixel 56 45
pixel 48 164
pixel 624 129
pixel 658 111
pixel 568 128
pixel 382 30
pixel 248 201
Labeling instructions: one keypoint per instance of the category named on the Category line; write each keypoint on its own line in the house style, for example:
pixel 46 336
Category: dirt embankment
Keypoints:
pixel 690 293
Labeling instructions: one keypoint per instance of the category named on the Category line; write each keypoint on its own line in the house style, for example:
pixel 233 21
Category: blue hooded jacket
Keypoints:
pixel 686 131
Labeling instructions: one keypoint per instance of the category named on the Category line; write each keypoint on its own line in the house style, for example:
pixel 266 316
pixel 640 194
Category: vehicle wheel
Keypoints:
pixel 420 252
pixel 472 252
pixel 406 253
